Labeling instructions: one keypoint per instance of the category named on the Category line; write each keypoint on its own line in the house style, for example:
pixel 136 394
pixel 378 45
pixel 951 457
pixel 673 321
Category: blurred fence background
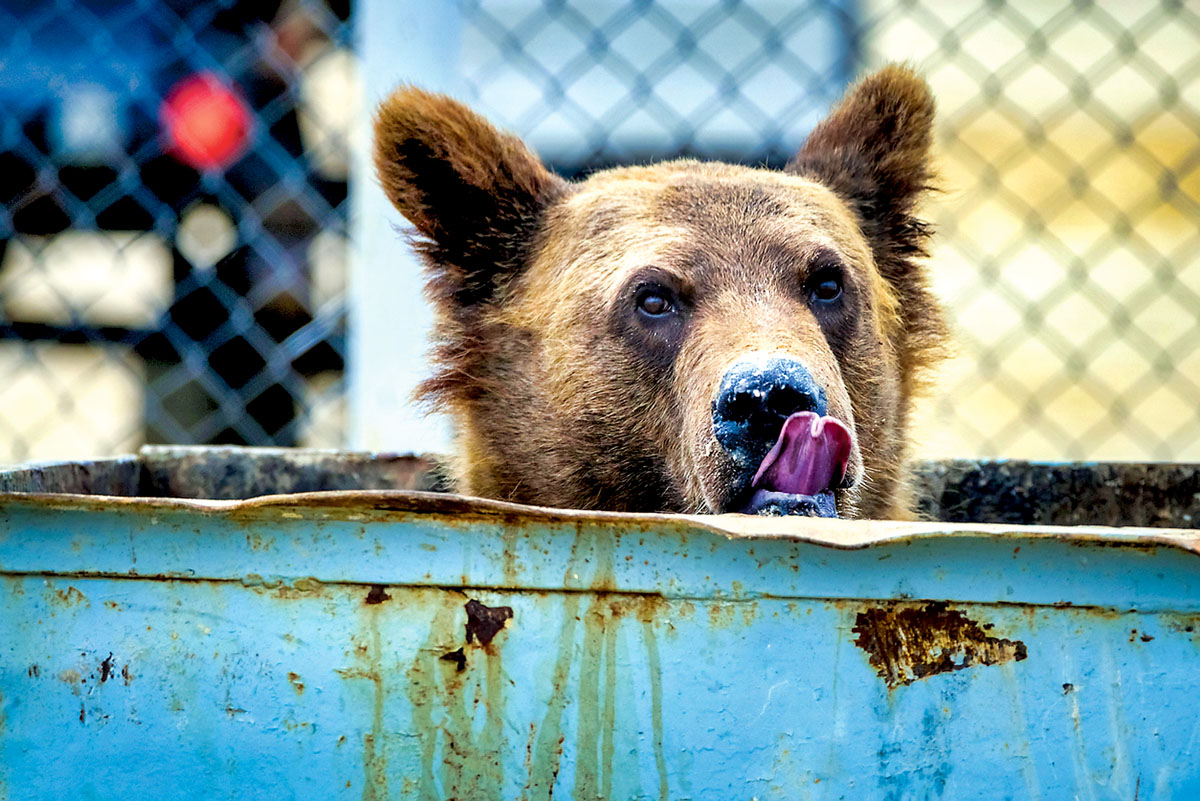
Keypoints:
pixel 173 177
pixel 175 220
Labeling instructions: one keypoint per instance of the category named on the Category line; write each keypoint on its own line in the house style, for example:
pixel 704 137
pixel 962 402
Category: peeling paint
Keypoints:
pixel 906 642
pixel 377 595
pixel 484 623
pixel 457 657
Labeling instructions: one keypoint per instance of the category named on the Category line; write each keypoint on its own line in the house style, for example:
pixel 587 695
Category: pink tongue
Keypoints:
pixel 810 456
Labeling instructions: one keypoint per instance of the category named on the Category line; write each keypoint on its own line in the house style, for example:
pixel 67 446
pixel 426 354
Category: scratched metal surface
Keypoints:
pixel 384 645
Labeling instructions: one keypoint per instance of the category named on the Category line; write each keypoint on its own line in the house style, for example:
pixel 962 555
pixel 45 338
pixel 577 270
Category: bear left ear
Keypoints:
pixel 475 194
pixel 873 150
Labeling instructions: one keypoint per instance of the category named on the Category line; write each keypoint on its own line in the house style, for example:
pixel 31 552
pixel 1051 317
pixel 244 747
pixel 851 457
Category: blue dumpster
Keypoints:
pixel 164 634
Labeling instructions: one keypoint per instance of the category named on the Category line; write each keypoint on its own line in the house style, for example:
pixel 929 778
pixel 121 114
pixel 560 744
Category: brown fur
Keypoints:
pixel 560 397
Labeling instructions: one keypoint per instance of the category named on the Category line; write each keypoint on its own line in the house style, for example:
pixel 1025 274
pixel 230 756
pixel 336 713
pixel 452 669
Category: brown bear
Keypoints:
pixel 681 337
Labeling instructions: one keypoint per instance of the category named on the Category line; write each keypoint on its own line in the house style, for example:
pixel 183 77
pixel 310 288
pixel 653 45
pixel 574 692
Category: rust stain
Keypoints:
pixel 906 642
pixel 595 747
pixel 106 668
pixel 461 755
pixel 529 749
pixel 126 676
pixel 485 622
pixel 422 690
pixel 548 747
pixel 720 615
pixel 645 608
pixel 654 662
pixel 509 567
pixel 1184 624
pixel 375 752
pixel 34 671
pixel 71 597
pixel 300 588
pixel 257 542
pixel 609 713
pixel 596 619
pixel 297 684
pixel 377 595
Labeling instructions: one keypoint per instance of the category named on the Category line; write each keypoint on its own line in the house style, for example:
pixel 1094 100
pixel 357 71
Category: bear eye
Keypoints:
pixel 655 302
pixel 825 286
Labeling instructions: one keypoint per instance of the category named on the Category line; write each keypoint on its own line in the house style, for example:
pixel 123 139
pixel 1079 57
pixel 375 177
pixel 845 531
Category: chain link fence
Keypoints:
pixel 172 224
pixel 1068 146
pixel 165 281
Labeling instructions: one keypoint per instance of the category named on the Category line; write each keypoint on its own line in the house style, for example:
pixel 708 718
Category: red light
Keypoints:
pixel 205 123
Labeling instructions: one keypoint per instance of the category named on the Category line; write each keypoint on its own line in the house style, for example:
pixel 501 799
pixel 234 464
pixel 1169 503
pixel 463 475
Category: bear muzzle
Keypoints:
pixel 769 415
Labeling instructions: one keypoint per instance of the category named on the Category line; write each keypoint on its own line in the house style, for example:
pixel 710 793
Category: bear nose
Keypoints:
pixel 754 399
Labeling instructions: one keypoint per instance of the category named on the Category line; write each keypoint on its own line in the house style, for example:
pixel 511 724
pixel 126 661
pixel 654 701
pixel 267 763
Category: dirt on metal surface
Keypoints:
pixel 908 642
pixel 235 473
pixel 117 476
pixel 1157 495
pixel 226 473
pixel 1152 495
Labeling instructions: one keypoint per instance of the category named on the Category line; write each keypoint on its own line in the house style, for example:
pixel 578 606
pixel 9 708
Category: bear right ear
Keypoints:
pixel 475 194
pixel 873 150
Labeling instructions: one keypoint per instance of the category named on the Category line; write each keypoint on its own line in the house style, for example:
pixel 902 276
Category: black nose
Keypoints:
pixel 755 398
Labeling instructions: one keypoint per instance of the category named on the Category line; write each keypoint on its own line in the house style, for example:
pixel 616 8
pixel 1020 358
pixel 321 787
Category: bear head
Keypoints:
pixel 686 336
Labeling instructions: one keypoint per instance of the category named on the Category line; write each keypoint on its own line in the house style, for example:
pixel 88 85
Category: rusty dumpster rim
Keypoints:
pixel 394 505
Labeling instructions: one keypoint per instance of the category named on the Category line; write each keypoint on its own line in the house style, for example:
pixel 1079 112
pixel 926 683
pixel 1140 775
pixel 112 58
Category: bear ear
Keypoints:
pixel 475 194
pixel 873 150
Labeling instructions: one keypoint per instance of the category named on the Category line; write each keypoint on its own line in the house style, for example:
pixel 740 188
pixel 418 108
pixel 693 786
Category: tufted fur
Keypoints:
pixel 561 397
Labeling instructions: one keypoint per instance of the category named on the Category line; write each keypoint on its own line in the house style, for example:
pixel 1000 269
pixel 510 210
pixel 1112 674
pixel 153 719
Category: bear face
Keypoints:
pixel 686 336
